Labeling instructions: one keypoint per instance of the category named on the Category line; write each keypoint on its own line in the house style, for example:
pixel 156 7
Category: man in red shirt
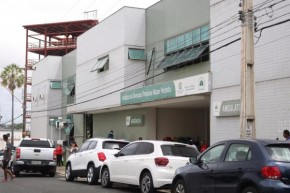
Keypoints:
pixel 58 152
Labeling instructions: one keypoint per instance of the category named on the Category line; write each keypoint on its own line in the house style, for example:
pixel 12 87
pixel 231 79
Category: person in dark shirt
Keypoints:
pixel 111 135
pixel 6 159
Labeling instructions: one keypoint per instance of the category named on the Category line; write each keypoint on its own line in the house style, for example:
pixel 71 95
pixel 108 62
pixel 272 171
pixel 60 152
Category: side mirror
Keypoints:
pixel 116 155
pixel 193 160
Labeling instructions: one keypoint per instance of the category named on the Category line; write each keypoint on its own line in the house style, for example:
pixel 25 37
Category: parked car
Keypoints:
pixel 237 166
pixel 36 155
pixel 87 160
pixel 148 164
pixel 1 156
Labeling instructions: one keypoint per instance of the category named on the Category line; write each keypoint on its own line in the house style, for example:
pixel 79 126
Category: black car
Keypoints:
pixel 237 166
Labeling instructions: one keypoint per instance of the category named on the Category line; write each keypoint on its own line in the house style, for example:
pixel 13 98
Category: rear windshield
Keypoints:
pixel 114 144
pixel 35 143
pixel 179 150
pixel 279 152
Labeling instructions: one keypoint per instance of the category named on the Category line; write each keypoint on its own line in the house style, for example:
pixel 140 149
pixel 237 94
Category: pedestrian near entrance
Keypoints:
pixel 58 151
pixel 6 159
pixel 111 135
pixel 286 135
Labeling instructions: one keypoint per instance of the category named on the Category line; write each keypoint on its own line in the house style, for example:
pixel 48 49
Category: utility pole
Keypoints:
pixel 247 116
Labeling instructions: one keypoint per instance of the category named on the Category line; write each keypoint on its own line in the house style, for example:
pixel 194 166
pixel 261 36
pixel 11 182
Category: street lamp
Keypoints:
pixel 59 118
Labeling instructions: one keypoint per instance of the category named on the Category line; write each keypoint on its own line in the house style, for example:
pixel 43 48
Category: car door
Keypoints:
pixel 202 173
pixel 77 158
pixel 233 167
pixel 138 161
pixel 89 154
pixel 119 166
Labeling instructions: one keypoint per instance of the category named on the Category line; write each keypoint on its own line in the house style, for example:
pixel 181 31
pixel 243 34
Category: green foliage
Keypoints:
pixel 12 77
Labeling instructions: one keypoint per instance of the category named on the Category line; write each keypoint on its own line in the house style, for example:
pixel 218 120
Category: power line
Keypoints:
pixel 11 120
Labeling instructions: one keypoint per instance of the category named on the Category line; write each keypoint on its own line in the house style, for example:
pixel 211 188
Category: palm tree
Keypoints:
pixel 12 78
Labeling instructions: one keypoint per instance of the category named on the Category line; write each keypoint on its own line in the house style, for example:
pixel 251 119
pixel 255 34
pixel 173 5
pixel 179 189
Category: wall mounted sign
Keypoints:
pixel 177 88
pixel 133 121
pixel 227 108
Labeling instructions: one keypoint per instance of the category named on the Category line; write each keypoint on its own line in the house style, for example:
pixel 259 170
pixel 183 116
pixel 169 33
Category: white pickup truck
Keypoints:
pixel 36 155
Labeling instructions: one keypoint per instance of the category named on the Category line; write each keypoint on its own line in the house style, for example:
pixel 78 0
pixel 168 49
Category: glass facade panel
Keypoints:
pixel 187 39
pixel 204 33
pixel 55 84
pixel 136 54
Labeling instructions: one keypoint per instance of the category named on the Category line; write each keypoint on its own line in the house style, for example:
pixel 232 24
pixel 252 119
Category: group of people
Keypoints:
pixel 59 152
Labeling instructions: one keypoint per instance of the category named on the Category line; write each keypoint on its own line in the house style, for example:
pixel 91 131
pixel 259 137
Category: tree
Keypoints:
pixel 12 78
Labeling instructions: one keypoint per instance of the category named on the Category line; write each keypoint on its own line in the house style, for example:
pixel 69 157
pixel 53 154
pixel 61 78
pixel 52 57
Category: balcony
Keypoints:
pixel 28 115
pixel 29 81
pixel 28 97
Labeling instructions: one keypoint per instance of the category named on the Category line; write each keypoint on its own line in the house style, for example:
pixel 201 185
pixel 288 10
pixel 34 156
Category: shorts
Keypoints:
pixel 5 164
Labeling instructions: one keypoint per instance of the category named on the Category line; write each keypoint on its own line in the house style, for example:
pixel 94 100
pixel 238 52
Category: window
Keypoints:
pixel 238 152
pixel 145 148
pixel 55 84
pixel 279 152
pixel 213 155
pixel 179 150
pixel 101 65
pixel 35 143
pixel 136 54
pixel 92 145
pixel 191 38
pixel 68 89
pixel 114 145
pixel 85 146
pixel 188 55
pixel 129 150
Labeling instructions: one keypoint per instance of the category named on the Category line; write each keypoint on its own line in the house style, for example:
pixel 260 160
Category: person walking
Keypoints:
pixel 58 152
pixel 73 148
pixel 6 159
pixel 286 135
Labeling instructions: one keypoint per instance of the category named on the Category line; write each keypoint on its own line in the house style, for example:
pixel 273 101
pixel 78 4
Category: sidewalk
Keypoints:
pixel 60 170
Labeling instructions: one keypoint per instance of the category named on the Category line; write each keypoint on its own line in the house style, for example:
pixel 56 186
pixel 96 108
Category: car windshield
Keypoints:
pixel 35 143
pixel 179 150
pixel 114 144
pixel 279 152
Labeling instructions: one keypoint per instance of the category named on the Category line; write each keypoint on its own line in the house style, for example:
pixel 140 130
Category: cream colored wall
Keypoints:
pixel 116 121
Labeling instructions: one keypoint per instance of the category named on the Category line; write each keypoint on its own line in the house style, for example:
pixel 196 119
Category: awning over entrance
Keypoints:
pixel 182 57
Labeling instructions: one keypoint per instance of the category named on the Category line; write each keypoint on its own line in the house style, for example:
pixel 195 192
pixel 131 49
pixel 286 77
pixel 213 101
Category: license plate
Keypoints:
pixel 36 162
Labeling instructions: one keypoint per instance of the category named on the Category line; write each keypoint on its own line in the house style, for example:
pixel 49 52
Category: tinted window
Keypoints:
pixel 279 152
pixel 179 150
pixel 213 155
pixel 35 143
pixel 130 149
pixel 92 145
pixel 85 146
pixel 238 152
pixel 145 148
pixel 114 144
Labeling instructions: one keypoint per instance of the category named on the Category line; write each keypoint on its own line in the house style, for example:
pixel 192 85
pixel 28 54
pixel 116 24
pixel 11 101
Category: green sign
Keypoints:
pixel 227 108
pixel 132 121
pixel 149 93
pixel 177 88
pixel 55 84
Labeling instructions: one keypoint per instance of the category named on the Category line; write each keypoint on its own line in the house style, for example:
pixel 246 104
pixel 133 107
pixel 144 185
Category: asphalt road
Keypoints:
pixel 36 183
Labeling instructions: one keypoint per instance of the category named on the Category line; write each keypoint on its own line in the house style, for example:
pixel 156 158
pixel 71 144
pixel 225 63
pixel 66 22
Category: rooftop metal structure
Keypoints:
pixel 49 39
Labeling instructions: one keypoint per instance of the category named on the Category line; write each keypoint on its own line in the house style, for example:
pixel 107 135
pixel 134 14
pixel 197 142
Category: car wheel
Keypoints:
pixel 68 173
pixel 146 183
pixel 250 189
pixel 105 180
pixel 91 175
pixel 179 187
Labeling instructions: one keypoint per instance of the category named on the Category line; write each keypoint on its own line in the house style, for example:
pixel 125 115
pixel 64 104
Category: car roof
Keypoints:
pixel 107 139
pixel 258 141
pixel 159 142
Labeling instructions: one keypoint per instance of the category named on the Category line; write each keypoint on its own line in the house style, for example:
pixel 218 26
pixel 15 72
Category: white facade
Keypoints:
pixel 112 37
pixel 44 98
pixel 271 67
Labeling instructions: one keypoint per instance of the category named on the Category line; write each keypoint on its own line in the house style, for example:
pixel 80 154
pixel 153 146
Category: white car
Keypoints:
pixel 87 160
pixel 148 164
